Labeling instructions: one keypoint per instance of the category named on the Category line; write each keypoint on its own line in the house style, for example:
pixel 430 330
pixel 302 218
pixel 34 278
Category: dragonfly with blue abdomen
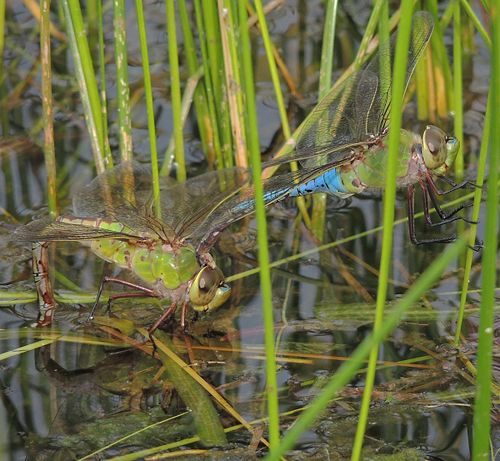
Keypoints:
pixel 342 146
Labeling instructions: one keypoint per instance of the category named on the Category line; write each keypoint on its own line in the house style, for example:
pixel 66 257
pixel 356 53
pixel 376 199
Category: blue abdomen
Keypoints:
pixel 328 182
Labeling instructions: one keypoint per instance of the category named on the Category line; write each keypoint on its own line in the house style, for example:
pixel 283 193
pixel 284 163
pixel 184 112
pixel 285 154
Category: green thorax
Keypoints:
pixel 369 170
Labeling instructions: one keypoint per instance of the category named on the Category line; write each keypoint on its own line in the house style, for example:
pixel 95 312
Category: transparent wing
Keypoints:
pixel 47 229
pixel 241 201
pixel 123 194
pixel 351 116
pixel 186 206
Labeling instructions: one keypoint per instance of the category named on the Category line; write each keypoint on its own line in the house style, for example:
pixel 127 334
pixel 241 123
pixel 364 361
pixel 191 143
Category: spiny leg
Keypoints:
pixel 168 312
pixel 454 186
pixel 432 190
pixel 143 291
pixel 410 199
pixel 445 218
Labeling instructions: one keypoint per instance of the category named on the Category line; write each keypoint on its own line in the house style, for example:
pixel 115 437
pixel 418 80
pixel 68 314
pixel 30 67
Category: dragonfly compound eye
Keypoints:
pixel 434 147
pixel 209 290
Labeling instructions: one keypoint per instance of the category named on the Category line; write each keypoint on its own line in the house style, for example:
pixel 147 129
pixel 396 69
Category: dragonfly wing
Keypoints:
pixel 47 230
pixel 186 206
pixel 355 112
pixel 241 201
pixel 122 194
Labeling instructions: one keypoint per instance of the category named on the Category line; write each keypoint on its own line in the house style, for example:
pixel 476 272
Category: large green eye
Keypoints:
pixel 438 149
pixel 208 290
pixel 434 147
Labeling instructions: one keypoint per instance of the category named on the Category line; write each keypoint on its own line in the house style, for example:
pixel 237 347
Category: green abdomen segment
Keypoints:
pixel 152 264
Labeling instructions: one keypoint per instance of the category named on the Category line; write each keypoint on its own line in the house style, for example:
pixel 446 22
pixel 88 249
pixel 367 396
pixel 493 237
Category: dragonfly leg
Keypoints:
pixel 455 186
pixel 411 222
pixel 143 291
pixel 46 302
pixel 168 312
pixel 428 192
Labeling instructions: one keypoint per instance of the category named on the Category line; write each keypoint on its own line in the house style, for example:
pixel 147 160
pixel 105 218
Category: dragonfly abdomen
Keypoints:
pixel 329 182
pixel 153 265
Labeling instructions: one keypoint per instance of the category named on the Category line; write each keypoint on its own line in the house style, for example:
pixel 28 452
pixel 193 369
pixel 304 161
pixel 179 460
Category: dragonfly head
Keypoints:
pixel 439 150
pixel 208 290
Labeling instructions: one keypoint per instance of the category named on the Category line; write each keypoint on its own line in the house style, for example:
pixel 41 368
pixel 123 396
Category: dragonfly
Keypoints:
pixel 113 216
pixel 342 147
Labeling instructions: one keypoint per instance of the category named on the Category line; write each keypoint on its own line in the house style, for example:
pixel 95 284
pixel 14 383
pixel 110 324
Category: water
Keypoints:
pixel 68 398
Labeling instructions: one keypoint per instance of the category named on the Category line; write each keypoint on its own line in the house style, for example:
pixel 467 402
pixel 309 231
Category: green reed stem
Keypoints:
pixel 350 368
pixel 47 105
pixel 215 65
pixel 400 61
pixel 273 69
pixel 122 86
pixel 285 126
pixel 478 193
pixel 4 119
pixel 187 100
pixel 212 123
pixel 482 401
pixel 325 83
pixel 476 21
pixel 441 65
pixel 102 78
pixel 87 84
pixel 175 84
pixel 233 81
pixel 200 99
pixel 458 121
pixel 148 93
pixel 260 215
pixel 92 7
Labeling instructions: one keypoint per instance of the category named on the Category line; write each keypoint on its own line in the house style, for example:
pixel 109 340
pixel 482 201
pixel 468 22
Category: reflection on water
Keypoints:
pixel 71 398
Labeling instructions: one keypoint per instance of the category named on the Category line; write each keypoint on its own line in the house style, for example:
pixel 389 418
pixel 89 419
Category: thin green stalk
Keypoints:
pixel 478 193
pixel 233 81
pixel 273 69
pixel 187 99
pixel 85 76
pixel 477 23
pixel 350 368
pixel 122 86
pixel 458 121
pixel 279 94
pixel 213 119
pixel 200 99
pixel 215 65
pixel 325 83
pixel 482 401
pixel 47 105
pixel 3 113
pixel 175 84
pixel 440 65
pixel 400 61
pixel 92 7
pixel 263 252
pixel 102 78
pixel 148 93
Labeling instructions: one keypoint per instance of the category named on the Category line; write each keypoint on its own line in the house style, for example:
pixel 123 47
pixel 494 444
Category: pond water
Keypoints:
pixel 71 396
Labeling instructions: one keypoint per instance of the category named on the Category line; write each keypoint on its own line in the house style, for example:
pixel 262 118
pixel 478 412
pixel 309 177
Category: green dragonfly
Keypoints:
pixel 113 215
